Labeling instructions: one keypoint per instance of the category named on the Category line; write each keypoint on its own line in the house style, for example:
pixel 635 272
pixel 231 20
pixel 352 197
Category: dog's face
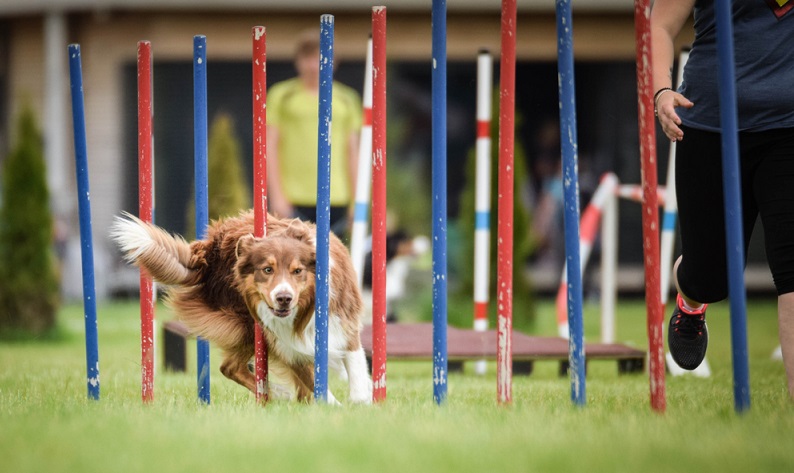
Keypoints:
pixel 278 271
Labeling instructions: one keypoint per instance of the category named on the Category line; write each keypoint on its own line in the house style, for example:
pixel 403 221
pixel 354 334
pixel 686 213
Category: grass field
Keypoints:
pixel 48 425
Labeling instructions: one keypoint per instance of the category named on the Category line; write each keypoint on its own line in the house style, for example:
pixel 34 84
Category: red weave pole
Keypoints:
pixel 504 251
pixel 650 209
pixel 379 203
pixel 145 191
pixel 259 93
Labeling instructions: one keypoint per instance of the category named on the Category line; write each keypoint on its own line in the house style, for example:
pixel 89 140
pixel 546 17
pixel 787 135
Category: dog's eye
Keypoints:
pixel 297 271
pixel 267 270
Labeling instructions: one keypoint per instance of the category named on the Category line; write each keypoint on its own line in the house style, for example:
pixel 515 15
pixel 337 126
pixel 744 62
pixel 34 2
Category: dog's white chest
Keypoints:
pixel 295 346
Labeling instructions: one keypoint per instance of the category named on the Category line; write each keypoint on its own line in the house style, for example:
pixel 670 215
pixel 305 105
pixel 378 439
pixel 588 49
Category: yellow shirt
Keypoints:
pixel 294 111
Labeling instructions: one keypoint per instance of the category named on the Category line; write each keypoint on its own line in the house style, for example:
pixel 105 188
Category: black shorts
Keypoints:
pixel 339 221
pixel 767 180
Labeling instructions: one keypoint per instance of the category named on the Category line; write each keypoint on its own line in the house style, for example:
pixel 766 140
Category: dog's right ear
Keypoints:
pixel 244 244
pixel 300 231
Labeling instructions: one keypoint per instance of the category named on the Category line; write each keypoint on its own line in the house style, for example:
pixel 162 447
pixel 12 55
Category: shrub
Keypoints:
pixel 29 281
pixel 228 191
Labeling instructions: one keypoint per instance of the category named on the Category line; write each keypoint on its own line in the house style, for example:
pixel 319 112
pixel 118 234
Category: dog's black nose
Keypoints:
pixel 284 299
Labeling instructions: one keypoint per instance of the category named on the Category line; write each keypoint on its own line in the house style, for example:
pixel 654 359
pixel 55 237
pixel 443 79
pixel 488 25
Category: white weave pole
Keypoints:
pixel 482 200
pixel 668 239
pixel 358 237
pixel 609 266
pixel 609 253
pixel 670 204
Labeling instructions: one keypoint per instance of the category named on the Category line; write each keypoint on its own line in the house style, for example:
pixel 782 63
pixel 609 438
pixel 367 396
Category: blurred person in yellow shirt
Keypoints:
pixel 292 114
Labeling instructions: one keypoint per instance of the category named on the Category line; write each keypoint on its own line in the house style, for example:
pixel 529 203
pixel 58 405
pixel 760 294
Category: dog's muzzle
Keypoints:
pixel 283 304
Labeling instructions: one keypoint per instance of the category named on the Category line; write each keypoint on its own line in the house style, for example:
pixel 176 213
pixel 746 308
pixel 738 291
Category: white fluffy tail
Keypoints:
pixel 168 258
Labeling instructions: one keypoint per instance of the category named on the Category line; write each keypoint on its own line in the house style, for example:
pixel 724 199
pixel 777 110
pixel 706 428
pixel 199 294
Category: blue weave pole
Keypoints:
pixel 733 205
pixel 323 208
pixel 439 206
pixel 570 180
pixel 201 188
pixel 84 204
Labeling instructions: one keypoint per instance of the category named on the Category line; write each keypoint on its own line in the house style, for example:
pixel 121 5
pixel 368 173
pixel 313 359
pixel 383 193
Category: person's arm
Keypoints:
pixel 277 202
pixel 667 19
pixel 353 142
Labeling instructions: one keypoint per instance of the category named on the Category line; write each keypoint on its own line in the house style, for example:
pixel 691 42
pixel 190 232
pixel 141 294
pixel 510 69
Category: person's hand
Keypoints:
pixel 666 104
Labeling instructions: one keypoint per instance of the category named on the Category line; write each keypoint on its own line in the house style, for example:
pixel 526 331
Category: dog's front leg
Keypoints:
pixel 304 383
pixel 358 376
pixel 235 367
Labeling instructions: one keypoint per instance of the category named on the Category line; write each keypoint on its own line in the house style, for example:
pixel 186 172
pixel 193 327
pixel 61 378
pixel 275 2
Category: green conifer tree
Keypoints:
pixel 29 281
pixel 228 191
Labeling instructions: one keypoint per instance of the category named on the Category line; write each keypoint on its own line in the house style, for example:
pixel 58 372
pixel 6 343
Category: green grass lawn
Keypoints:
pixel 48 425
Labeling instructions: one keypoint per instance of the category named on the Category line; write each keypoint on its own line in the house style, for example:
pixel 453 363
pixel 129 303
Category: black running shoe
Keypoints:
pixel 687 336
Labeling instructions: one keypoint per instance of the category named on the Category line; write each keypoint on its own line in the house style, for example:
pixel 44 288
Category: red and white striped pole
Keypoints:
pixel 145 193
pixel 634 192
pixel 259 94
pixel 358 234
pixel 588 229
pixel 482 199
pixel 379 203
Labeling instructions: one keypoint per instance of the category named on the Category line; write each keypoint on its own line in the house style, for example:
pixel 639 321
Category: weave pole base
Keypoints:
pixel 415 342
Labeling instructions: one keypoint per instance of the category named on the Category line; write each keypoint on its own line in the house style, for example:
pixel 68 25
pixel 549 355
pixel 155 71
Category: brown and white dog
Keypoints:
pixel 219 284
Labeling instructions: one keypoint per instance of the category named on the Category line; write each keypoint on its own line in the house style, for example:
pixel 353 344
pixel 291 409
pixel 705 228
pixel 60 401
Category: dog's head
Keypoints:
pixel 277 270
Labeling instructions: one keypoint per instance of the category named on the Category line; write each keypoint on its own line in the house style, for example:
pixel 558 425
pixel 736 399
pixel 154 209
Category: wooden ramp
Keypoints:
pixel 415 342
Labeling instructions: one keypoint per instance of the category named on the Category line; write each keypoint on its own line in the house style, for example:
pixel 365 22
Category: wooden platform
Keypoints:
pixel 415 342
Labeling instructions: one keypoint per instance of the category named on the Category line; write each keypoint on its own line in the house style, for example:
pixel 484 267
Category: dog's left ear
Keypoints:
pixel 300 230
pixel 244 245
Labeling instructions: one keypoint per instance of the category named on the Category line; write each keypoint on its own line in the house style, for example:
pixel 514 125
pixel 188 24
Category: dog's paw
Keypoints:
pixel 332 401
pixel 362 394
pixel 279 392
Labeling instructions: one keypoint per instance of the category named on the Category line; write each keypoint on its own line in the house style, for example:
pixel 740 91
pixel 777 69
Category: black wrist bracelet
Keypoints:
pixel 659 92
pixel 656 98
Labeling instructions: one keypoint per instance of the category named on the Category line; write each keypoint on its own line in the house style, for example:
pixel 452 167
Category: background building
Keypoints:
pixel 33 69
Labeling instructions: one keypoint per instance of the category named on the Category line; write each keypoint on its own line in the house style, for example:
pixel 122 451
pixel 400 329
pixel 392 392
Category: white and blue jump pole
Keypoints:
pixel 358 234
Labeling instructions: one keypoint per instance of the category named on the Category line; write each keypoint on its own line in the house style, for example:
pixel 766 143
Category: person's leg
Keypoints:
pixel 699 273
pixel 309 213
pixel 339 221
pixel 785 314
pixel 691 304
pixel 305 213
pixel 774 190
